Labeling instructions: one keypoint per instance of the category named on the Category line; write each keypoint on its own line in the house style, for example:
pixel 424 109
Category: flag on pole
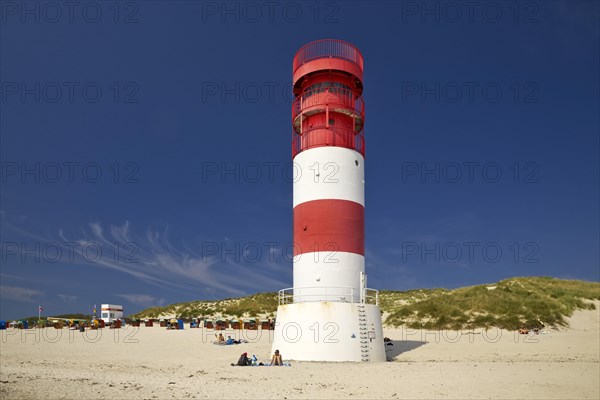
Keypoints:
pixel 40 309
pixel 95 309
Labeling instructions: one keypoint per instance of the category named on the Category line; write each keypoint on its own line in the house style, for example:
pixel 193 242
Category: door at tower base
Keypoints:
pixel 329 331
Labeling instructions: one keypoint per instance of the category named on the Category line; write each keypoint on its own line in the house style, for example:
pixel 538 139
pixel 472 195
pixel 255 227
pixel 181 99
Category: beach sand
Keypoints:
pixel 156 363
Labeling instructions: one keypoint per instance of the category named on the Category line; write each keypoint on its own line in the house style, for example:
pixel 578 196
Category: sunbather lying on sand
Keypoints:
pixel 232 341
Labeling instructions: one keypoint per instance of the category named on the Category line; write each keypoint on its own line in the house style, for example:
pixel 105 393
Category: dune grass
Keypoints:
pixel 508 304
pixel 77 316
pixel 243 307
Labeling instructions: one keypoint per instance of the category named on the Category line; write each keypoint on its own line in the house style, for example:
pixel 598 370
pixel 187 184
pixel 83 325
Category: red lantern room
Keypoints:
pixel 328 109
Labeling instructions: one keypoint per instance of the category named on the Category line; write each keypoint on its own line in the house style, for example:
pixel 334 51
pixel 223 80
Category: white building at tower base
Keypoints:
pixel 329 331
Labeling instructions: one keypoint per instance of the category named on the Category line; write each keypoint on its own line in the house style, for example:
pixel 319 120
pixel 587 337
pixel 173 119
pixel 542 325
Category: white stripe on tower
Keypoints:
pixel 341 175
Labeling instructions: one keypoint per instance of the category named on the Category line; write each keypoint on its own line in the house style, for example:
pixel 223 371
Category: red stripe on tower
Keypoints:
pixel 329 225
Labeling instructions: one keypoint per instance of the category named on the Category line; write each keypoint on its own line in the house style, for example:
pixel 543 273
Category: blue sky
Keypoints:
pixel 162 129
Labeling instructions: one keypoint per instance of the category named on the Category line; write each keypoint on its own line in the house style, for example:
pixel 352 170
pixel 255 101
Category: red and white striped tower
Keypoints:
pixel 329 314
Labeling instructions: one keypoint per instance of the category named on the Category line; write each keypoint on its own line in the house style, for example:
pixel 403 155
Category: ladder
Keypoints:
pixel 363 334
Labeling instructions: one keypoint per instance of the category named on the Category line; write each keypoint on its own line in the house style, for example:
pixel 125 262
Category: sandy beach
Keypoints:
pixel 156 363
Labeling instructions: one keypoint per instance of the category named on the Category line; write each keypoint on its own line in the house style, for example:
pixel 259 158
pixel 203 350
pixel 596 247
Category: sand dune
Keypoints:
pixel 156 363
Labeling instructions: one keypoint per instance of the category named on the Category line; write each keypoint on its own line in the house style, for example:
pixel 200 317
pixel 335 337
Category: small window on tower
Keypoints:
pixel 332 122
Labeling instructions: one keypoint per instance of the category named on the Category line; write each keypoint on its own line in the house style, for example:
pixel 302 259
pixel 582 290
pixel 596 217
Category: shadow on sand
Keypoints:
pixel 400 347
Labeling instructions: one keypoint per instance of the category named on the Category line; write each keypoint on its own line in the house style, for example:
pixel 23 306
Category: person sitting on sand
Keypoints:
pixel 277 359
pixel 217 341
pixel 221 338
pixel 244 361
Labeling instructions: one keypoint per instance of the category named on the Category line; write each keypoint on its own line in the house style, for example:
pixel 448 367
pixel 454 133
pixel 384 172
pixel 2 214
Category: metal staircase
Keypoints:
pixel 363 334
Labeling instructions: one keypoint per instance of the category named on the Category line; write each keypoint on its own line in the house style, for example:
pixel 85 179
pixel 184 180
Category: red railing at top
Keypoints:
pixel 340 97
pixel 327 48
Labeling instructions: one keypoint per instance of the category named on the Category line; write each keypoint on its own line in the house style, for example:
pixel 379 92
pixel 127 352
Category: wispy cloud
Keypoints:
pixel 18 293
pixel 152 258
pixel 143 300
pixel 67 298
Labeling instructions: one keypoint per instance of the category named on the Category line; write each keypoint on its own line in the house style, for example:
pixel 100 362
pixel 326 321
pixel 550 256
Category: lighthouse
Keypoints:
pixel 329 314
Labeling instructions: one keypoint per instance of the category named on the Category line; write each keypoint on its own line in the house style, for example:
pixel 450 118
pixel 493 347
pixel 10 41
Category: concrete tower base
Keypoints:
pixel 329 331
